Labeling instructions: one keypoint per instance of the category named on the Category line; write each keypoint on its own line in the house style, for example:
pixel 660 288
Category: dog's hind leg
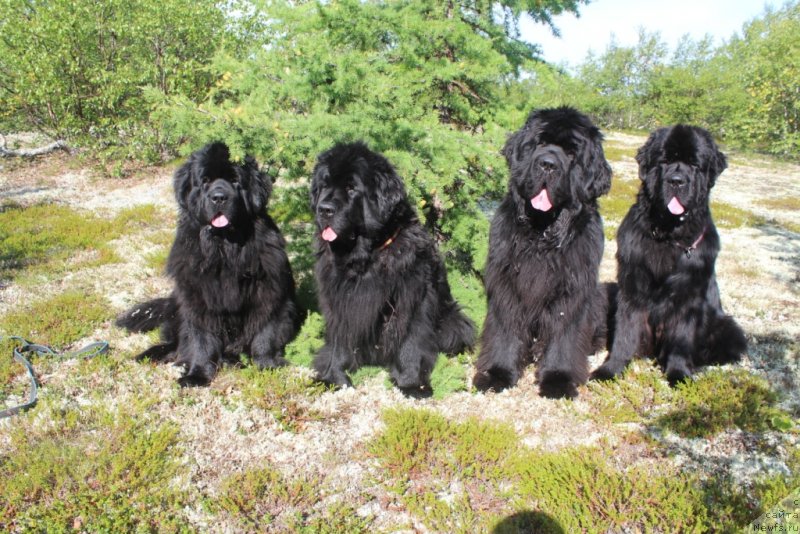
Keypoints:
pixel 725 341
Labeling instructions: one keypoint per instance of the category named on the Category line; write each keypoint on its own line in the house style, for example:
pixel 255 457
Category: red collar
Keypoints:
pixel 688 250
pixel 390 240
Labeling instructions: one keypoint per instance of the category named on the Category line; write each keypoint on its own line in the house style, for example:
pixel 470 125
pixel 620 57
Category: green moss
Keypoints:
pixel 157 260
pixel 729 217
pixel 308 341
pixel 456 514
pixel 59 321
pixel 467 290
pixel 43 241
pixel 263 497
pixel 788 203
pixel 618 152
pixel 339 518
pixel 582 492
pixel 719 399
pixel 449 375
pixel 92 470
pixel 615 205
pixel 282 392
pixel 631 398
pixel 48 233
pixel 622 196
pixel 140 217
pixel 409 442
pixel 477 476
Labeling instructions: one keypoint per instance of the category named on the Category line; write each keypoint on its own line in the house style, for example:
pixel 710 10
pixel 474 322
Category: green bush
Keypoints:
pixel 76 68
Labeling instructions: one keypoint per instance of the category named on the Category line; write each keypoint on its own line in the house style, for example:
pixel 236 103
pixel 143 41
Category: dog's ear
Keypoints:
pixel 715 161
pixel 319 175
pixel 389 188
pixel 717 164
pixel 257 185
pixel 649 153
pixel 512 150
pixel 597 171
pixel 182 184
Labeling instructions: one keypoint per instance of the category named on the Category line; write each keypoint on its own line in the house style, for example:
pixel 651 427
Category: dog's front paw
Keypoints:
pixel 604 372
pixel 336 381
pixel 495 379
pixel 557 385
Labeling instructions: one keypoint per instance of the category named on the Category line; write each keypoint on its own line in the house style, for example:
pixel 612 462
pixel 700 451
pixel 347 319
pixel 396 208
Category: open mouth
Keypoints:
pixel 542 201
pixel 220 221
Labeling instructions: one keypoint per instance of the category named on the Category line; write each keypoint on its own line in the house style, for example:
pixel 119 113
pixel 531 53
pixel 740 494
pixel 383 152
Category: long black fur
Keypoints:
pixel 668 302
pixel 382 285
pixel 542 271
pixel 234 291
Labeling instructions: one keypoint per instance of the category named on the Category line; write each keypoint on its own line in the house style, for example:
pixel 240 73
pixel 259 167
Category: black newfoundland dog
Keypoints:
pixel 382 285
pixel 234 291
pixel 545 247
pixel 668 300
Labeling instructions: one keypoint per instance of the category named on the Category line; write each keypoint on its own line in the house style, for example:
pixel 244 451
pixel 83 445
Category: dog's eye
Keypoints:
pixel 351 191
pixel 206 180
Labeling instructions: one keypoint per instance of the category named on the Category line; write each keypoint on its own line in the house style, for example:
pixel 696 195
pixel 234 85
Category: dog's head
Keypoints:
pixel 556 160
pixel 678 166
pixel 218 193
pixel 355 192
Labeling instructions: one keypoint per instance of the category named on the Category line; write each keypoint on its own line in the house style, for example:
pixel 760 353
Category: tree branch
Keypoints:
pixel 31 152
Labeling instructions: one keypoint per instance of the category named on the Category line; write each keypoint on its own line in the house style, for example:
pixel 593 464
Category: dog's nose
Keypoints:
pixel 547 163
pixel 677 180
pixel 326 209
pixel 218 197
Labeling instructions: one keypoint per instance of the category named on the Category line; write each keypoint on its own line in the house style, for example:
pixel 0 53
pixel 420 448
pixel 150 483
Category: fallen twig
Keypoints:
pixel 31 152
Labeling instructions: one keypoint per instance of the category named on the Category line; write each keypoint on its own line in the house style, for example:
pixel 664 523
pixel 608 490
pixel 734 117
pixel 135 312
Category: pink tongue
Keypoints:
pixel 675 207
pixel 328 234
pixel 541 201
pixel 220 221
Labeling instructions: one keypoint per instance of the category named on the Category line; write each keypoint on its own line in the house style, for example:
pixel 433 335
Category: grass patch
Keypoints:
pixel 139 217
pixel 615 205
pixel 618 152
pixel 583 493
pixel 309 340
pixel 281 392
pixel 157 260
pixel 719 399
pixel 48 233
pixel 45 236
pixel 338 518
pixel 261 497
pixel 729 217
pixel 59 321
pixel 782 203
pixel 468 291
pixel 92 471
pixel 265 500
pixel 449 375
pixel 467 477
pixel 632 397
